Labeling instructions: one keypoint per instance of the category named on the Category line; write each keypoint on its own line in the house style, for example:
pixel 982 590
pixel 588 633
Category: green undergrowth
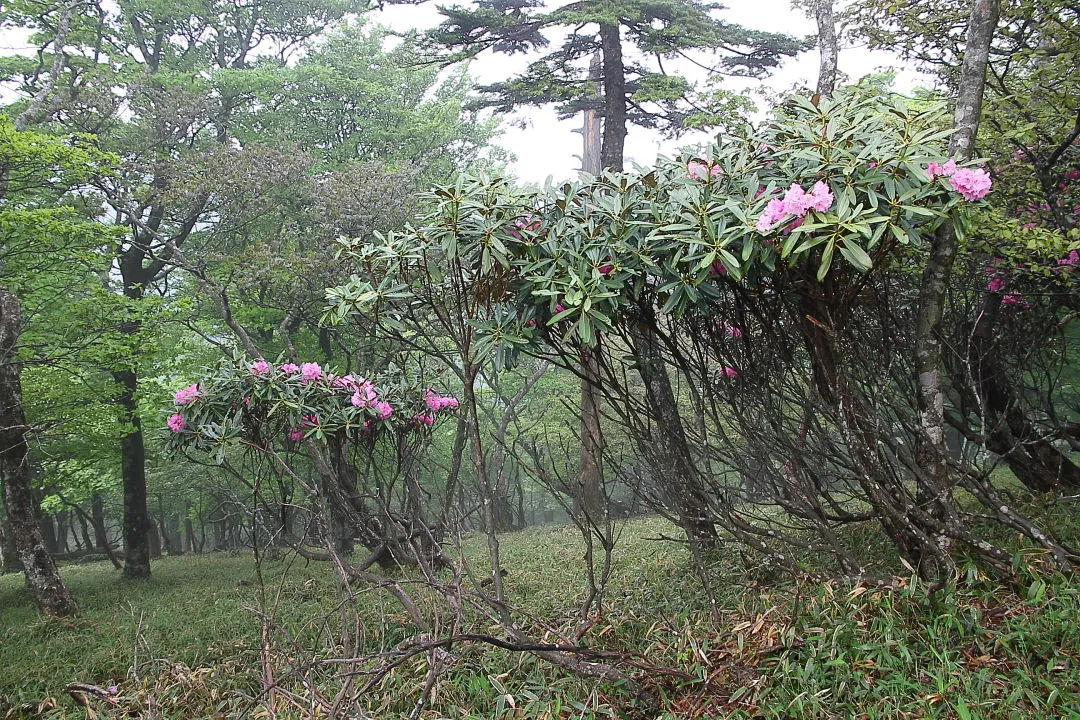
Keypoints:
pixel 187 643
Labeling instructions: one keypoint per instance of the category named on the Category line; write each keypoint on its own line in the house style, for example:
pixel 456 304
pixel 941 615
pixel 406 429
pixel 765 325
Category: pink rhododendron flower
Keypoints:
pixel 822 197
pixel 796 201
pixel 559 307
pixel 176 422
pixel 1015 300
pixel 1072 174
pixel 382 410
pixel 973 184
pixel 718 268
pixel 436 402
pixel 309 421
pixel 310 372
pixel 423 419
pixel 187 395
pixel 296 434
pixel 260 367
pixel 947 170
pixel 346 382
pixel 773 212
pixel 871 164
pixel 728 371
pixel 996 284
pixel 363 396
pixel 530 323
pixel 1073 258
pixel 289 368
pixel 698 170
pixel 605 270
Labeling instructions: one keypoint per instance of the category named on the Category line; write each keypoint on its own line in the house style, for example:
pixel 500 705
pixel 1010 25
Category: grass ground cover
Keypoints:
pixel 186 644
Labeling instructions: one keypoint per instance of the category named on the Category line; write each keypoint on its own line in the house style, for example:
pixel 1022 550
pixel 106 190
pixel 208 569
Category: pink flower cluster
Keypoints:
pixel 697 170
pixel 935 171
pixel 436 402
pixel 176 422
pixel 260 367
pixel 1070 260
pixel 728 371
pixel 424 419
pixel 309 372
pixel 973 184
pixel 796 202
pixel 1014 300
pixel 187 395
pixel 289 368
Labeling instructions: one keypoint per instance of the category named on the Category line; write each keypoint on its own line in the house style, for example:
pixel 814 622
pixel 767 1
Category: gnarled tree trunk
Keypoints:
pixel 42 577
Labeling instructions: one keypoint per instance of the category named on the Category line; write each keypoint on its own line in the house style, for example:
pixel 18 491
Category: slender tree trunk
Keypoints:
pixel 679 483
pixel 827 47
pixel 614 85
pixel 933 446
pixel 133 471
pixel 590 496
pixel 45 524
pixel 62 521
pixel 101 531
pixel 42 576
pixel 84 528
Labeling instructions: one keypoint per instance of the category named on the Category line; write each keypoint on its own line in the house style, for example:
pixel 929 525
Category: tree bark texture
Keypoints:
pixel 678 482
pixel 614 85
pixel 9 559
pixel 934 452
pixel 590 495
pixel 42 577
pixel 827 47
pixel 133 471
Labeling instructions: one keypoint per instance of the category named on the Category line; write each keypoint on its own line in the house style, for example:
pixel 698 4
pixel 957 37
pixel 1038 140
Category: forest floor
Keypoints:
pixel 186 643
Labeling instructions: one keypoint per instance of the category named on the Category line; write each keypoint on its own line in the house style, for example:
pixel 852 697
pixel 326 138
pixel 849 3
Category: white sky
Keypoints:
pixel 546 146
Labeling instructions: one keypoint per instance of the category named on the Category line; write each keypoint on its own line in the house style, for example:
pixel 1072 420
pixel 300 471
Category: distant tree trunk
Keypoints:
pixel 62 520
pixel 42 577
pixel 827 47
pixel 154 537
pixel 45 524
pixel 189 533
pixel 614 84
pixel 101 532
pixel 84 528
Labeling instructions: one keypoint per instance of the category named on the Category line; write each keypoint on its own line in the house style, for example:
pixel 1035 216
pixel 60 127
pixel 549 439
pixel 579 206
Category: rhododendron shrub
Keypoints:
pixel 290 417
pixel 801 235
pixel 240 400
